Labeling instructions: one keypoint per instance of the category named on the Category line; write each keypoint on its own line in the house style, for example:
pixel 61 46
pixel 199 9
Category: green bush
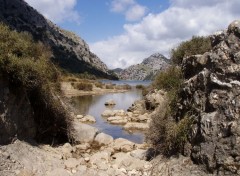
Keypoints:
pixel 140 86
pixel 197 45
pixel 169 80
pixel 26 66
pixel 85 86
pixel 123 87
pixel 99 85
pixel 168 136
pixel 110 86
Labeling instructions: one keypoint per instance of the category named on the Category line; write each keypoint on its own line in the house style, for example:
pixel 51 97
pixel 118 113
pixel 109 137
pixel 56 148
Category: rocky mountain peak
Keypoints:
pixel 145 70
pixel 70 51
pixel 153 57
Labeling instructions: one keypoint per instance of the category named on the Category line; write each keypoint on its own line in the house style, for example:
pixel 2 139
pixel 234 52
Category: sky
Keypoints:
pixel 124 32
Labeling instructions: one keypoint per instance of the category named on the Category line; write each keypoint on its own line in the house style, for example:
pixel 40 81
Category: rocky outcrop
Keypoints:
pixel 16 114
pixel 69 51
pixel 212 93
pixel 146 70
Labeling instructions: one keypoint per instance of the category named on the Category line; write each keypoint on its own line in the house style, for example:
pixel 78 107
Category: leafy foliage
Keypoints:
pixel 26 65
pixel 197 45
pixel 166 133
pixel 169 80
pixel 167 136
pixel 85 86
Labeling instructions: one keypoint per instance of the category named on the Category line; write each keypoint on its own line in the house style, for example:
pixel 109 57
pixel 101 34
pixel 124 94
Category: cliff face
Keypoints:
pixel 16 114
pixel 69 51
pixel 146 70
pixel 212 90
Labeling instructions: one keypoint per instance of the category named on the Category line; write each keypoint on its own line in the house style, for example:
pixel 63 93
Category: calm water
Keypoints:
pixel 94 105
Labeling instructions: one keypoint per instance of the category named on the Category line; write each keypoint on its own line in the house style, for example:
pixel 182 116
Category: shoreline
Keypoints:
pixel 69 91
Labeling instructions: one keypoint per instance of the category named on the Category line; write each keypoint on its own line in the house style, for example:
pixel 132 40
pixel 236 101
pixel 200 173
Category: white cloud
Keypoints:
pixel 135 13
pixel 130 8
pixel 160 32
pixel 121 5
pixel 56 10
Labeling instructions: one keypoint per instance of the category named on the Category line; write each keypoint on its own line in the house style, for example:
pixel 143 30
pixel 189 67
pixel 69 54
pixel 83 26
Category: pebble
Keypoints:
pixel 74 171
pixel 87 159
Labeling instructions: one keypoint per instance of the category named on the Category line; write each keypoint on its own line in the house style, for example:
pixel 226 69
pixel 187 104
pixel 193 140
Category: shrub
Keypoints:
pixel 168 136
pixel 109 86
pixel 86 75
pixel 167 133
pixel 197 45
pixel 99 85
pixel 123 87
pixel 140 86
pixel 83 86
pixel 26 65
pixel 72 79
pixel 169 80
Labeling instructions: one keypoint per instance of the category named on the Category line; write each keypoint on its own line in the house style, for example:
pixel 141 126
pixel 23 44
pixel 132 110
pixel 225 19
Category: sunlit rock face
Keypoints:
pixel 212 92
pixel 147 70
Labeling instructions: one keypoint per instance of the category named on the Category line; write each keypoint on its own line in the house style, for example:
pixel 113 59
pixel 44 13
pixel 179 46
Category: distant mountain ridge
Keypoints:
pixel 69 51
pixel 147 70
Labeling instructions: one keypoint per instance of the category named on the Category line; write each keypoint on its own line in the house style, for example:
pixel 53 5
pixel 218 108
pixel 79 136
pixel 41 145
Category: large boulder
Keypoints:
pixel 212 92
pixel 103 139
pixel 117 120
pixel 110 103
pixel 16 114
pixel 87 119
pixel 83 133
pixel 123 145
pixel 154 98
pixel 108 113
pixel 136 126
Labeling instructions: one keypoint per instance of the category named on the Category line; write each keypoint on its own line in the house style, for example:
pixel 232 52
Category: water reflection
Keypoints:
pixel 94 105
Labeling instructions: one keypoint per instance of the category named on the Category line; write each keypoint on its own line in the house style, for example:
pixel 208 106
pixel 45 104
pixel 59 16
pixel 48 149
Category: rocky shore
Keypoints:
pixel 95 153
pixel 69 91
pixel 211 87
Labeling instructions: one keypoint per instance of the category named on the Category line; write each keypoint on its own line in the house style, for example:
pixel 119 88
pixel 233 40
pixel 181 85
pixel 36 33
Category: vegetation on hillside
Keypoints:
pixel 166 134
pixel 168 130
pixel 27 67
pixel 85 86
pixel 197 45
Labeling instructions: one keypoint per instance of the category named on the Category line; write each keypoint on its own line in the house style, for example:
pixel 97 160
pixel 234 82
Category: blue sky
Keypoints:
pixel 124 32
pixel 98 22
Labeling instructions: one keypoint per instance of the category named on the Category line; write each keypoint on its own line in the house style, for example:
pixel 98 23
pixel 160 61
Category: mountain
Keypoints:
pixel 117 71
pixel 147 69
pixel 69 51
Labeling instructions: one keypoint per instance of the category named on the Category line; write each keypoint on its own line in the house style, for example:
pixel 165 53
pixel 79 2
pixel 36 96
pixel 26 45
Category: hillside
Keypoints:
pixel 146 70
pixel 69 51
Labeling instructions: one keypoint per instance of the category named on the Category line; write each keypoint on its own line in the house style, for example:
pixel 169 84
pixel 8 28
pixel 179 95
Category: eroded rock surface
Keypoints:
pixel 212 90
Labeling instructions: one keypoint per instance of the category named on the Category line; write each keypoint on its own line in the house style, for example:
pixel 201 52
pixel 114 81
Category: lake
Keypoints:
pixel 94 105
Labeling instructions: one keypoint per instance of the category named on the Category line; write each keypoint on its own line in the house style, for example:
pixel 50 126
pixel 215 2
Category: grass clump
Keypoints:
pixel 110 86
pixel 169 80
pixel 85 86
pixel 99 84
pixel 197 45
pixel 123 87
pixel 27 67
pixel 140 86
pixel 167 133
pixel 168 136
